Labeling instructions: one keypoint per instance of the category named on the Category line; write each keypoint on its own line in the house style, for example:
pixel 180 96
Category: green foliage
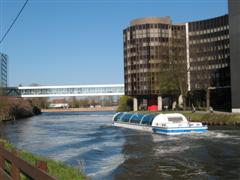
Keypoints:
pixel 74 103
pixel 83 103
pixel 203 116
pixel 228 118
pixel 172 80
pixel 56 169
pixel 125 104
pixel 168 84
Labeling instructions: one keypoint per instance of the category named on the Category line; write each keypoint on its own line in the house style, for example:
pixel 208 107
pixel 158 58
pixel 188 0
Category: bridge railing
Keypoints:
pixel 11 167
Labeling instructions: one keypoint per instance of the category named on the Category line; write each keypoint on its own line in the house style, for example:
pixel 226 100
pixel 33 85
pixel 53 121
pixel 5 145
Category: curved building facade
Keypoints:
pixel 147 52
pixel 200 48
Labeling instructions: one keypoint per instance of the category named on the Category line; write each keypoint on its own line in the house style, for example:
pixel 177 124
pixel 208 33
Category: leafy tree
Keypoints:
pixel 74 103
pixel 84 103
pixel 167 83
pixel 178 63
pixel 125 104
pixel 173 68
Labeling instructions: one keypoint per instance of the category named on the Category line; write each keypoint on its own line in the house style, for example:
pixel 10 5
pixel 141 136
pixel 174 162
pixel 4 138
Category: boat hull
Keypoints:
pixel 160 130
pixel 169 124
pixel 182 130
pixel 133 126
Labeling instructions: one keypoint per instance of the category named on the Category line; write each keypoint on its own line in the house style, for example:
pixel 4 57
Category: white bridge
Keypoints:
pixel 75 90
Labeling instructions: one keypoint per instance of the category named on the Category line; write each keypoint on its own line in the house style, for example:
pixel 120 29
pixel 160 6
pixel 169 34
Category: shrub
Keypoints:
pixel 11 107
pixel 125 104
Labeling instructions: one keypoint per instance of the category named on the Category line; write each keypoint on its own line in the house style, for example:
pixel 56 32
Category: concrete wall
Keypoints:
pixel 234 28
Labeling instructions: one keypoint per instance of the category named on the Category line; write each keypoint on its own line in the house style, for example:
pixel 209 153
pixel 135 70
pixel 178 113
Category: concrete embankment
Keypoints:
pixel 96 109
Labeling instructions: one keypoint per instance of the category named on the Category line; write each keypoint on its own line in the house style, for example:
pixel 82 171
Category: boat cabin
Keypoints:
pixel 170 120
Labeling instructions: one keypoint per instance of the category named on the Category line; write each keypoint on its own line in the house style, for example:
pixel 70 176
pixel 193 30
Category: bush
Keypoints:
pixel 36 110
pixel 125 104
pixel 16 108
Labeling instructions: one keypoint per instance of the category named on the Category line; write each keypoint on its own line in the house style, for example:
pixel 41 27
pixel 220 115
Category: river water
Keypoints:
pixel 89 142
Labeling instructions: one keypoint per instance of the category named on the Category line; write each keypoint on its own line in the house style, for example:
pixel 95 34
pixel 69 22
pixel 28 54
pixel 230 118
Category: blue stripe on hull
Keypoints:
pixel 178 131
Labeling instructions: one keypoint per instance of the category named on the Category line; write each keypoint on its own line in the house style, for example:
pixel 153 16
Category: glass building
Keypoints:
pixel 210 62
pixel 3 70
pixel 200 48
pixel 149 46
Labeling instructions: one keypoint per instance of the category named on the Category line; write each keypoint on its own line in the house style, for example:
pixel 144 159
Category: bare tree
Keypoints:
pixel 40 102
pixel 178 63
pixel 173 67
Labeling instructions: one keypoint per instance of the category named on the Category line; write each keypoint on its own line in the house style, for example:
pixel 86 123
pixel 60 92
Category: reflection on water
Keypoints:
pixel 88 141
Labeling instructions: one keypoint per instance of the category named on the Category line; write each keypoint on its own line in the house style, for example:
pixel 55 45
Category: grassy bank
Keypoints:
pixel 215 118
pixel 55 168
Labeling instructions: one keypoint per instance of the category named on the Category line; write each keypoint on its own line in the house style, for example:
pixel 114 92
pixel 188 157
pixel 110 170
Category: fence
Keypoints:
pixel 11 167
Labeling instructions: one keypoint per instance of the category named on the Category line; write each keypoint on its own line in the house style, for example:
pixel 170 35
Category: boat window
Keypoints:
pixel 147 120
pixel 136 118
pixel 126 117
pixel 118 116
pixel 175 119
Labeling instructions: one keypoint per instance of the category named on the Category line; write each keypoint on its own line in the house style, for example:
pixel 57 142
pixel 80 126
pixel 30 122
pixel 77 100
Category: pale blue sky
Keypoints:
pixel 60 42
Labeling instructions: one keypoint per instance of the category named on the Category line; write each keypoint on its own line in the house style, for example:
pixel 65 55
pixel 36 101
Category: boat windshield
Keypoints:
pixel 126 117
pixel 141 119
pixel 148 119
pixel 118 117
pixel 175 119
pixel 136 118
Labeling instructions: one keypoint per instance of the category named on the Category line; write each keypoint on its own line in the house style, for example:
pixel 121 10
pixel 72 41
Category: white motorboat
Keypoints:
pixel 170 124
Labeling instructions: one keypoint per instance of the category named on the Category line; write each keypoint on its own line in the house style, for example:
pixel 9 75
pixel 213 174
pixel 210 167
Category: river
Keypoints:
pixel 89 142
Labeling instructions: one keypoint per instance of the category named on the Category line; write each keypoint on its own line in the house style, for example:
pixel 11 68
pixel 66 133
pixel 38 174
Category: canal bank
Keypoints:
pixel 215 118
pixel 54 168
pixel 208 118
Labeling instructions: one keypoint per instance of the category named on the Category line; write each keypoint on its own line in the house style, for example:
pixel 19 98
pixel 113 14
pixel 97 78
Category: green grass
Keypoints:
pixel 213 117
pixel 201 116
pixel 55 168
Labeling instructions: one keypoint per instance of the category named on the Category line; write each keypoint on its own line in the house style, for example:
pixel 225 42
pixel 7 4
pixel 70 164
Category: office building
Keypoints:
pixel 202 50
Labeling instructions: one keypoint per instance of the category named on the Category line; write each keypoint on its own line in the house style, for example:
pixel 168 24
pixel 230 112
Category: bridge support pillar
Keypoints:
pixel 159 103
pixel 135 104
